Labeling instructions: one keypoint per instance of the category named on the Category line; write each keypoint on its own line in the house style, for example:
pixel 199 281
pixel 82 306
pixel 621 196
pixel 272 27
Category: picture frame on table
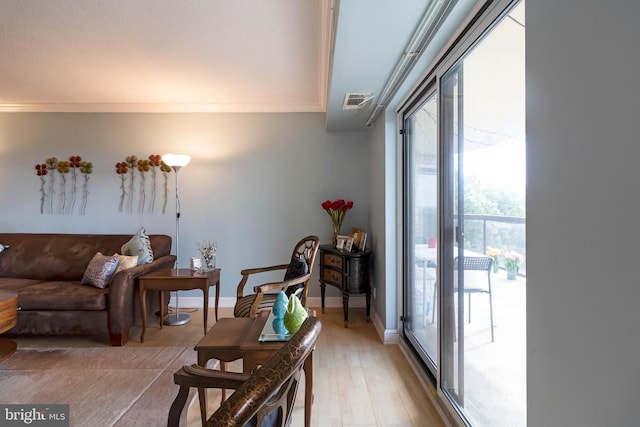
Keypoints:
pixel 357 233
pixel 341 241
pixel 348 244
pixel 363 242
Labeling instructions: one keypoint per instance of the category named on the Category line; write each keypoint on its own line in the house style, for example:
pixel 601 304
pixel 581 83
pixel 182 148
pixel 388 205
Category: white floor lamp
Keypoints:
pixel 177 161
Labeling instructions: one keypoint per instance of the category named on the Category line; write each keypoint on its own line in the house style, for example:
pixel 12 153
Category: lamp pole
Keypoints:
pixel 177 161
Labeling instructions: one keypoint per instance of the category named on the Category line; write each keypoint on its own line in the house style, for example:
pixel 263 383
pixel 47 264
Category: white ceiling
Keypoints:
pixel 149 55
pixel 203 55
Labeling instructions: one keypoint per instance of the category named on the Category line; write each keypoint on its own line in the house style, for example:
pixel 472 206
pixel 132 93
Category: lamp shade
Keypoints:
pixel 176 160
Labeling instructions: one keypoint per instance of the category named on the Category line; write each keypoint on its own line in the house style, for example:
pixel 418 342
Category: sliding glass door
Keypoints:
pixel 421 157
pixel 464 222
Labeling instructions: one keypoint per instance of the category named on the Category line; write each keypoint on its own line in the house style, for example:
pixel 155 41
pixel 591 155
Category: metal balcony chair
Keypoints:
pixel 471 263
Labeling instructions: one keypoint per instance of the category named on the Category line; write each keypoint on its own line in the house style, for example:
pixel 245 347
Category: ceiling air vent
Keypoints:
pixel 356 101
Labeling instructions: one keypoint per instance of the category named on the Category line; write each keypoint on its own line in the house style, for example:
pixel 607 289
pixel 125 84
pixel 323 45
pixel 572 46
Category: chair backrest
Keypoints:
pixel 307 249
pixel 270 391
pixel 476 263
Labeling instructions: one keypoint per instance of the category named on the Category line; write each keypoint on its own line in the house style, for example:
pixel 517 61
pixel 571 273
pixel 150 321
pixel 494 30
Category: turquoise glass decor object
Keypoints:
pixel 280 306
pixel 278 326
pixel 295 315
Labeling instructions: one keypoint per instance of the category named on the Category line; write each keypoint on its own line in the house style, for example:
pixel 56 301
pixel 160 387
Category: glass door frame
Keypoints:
pixel 408 211
pixel 484 18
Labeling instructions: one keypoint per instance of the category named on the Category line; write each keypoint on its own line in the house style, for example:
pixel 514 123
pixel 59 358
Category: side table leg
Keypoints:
pixel 217 298
pixel 202 391
pixel 161 308
pixel 345 307
pixel 308 388
pixel 143 310
pixel 205 293
pixel 202 397
pixel 368 299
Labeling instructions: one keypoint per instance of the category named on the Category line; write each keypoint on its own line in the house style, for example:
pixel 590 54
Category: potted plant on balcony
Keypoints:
pixel 512 262
pixel 495 254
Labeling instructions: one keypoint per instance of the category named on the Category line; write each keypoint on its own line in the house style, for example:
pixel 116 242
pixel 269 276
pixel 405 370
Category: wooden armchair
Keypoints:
pixel 298 273
pixel 263 398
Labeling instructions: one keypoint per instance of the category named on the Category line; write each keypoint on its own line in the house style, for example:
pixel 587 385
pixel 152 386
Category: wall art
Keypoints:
pixel 59 184
pixel 140 176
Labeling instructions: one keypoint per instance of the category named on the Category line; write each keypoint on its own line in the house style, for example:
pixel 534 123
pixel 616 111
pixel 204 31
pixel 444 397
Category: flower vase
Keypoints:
pixel 496 265
pixel 512 274
pixel 209 262
pixel 336 233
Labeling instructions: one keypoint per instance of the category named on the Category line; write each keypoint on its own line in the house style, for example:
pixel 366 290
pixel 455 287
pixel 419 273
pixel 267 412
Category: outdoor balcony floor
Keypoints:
pixel 495 372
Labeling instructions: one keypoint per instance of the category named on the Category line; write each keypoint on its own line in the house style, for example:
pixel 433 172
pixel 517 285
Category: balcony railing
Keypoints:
pixel 505 233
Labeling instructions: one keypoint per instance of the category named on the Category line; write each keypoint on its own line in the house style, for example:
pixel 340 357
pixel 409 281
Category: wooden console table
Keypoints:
pixel 8 317
pixel 181 279
pixel 347 271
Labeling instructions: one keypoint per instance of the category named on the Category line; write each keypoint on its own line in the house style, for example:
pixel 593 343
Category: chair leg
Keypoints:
pixel 491 309
pixel 435 304
pixel 177 406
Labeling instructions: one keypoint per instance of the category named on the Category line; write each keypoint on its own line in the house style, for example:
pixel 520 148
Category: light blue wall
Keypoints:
pixel 254 184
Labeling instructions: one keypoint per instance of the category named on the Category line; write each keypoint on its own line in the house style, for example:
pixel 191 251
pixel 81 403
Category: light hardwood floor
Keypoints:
pixel 358 381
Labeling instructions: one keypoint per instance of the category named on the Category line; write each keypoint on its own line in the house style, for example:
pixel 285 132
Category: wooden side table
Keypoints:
pixel 180 279
pixel 8 317
pixel 237 338
pixel 347 271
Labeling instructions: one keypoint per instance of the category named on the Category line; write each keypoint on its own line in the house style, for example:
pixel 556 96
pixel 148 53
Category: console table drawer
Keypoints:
pixel 332 260
pixel 332 276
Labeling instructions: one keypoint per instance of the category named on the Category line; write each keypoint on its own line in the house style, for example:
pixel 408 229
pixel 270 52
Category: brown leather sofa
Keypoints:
pixel 46 271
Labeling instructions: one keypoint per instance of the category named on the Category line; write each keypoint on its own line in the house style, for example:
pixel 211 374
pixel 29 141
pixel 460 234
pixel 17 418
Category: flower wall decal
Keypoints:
pixel 147 184
pixel 132 164
pixel 155 160
pixel 41 171
pixel 68 188
pixel 86 169
pixel 122 170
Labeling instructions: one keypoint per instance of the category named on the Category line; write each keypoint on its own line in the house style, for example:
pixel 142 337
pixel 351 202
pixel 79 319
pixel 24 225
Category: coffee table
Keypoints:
pixel 237 338
pixel 178 279
pixel 8 317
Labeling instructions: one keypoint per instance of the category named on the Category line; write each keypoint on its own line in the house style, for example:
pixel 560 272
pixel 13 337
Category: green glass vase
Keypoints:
pixel 295 315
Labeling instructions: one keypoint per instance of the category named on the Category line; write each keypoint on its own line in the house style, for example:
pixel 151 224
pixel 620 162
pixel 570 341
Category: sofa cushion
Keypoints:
pixel 46 256
pixel 139 245
pixel 62 295
pixel 100 270
pixel 125 262
pixel 12 284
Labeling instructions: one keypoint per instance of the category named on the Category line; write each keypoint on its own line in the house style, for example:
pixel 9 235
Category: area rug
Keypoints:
pixel 104 386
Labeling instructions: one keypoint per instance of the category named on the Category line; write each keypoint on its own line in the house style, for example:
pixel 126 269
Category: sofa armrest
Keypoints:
pixel 122 292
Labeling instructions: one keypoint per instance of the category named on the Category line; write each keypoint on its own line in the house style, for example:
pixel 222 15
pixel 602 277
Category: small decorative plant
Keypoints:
pixel 512 262
pixel 208 251
pixel 495 254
